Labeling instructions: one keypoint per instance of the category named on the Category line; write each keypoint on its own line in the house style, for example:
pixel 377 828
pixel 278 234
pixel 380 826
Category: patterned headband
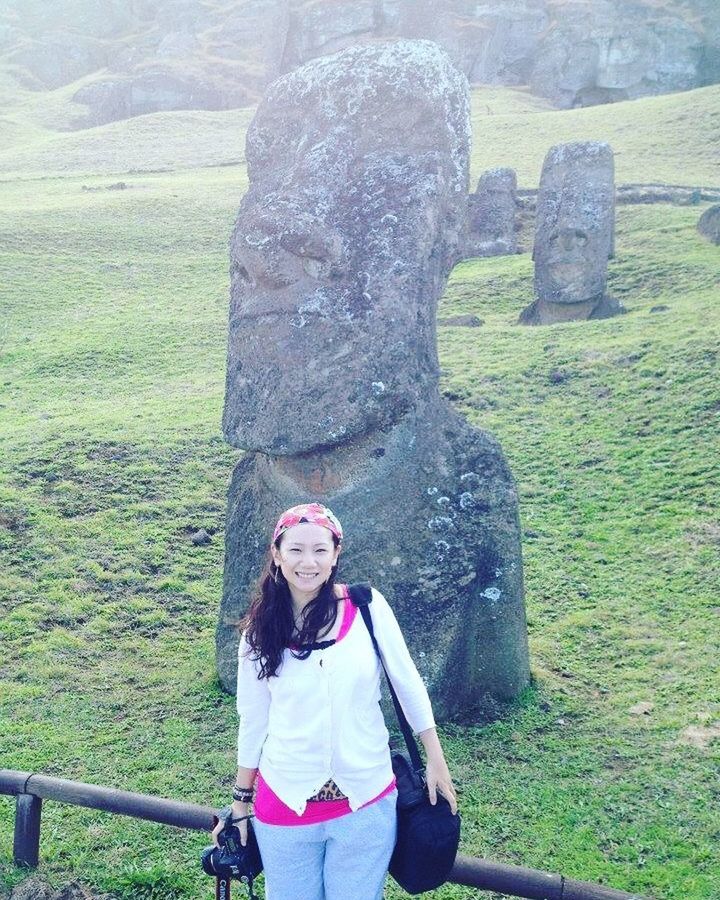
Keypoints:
pixel 315 513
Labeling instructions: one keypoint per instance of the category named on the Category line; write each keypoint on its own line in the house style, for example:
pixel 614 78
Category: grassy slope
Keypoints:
pixel 673 138
pixel 112 366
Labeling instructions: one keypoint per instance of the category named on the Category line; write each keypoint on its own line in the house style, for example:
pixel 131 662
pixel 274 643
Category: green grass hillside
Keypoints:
pixel 112 353
pixel 672 138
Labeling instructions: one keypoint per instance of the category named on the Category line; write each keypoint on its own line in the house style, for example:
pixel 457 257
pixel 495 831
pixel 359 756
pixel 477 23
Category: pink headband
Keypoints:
pixel 315 513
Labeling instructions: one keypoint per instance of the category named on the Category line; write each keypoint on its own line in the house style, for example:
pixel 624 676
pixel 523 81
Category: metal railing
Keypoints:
pixel 30 789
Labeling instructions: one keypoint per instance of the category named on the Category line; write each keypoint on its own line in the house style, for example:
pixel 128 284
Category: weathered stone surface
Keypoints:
pixel 575 227
pixel 323 27
pixel 574 234
pixel 50 62
pixel 492 43
pixel 491 214
pixel 611 51
pixel 254 33
pixel 430 513
pixel 547 313
pixel 577 53
pixel 38 18
pixel 352 220
pixel 156 89
pixel 581 55
pixel 342 248
pixel 709 224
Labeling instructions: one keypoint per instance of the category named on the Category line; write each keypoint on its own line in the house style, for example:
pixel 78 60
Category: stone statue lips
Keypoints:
pixel 570 267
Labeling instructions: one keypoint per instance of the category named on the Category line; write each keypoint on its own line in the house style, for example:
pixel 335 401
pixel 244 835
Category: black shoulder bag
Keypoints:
pixel 427 835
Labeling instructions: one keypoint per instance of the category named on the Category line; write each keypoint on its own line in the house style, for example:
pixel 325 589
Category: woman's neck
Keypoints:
pixel 299 603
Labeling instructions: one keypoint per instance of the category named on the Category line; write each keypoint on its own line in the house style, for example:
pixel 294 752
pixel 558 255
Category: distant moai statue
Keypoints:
pixel 353 219
pixel 574 235
pixel 491 215
pixel 709 224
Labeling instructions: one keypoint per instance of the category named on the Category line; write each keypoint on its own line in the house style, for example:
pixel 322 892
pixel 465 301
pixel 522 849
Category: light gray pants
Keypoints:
pixel 342 859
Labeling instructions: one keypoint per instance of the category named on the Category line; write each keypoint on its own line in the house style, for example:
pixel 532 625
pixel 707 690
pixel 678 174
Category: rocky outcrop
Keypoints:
pixel 56 60
pixel 353 219
pixel 574 52
pixel 159 88
pixel 607 51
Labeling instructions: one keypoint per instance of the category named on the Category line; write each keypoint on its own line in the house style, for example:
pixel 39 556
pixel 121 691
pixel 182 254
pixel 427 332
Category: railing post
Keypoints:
pixel 26 845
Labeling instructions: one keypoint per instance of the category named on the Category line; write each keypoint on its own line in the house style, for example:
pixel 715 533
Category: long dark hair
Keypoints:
pixel 269 623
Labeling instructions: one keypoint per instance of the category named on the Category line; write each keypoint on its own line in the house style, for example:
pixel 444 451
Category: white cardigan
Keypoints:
pixel 320 718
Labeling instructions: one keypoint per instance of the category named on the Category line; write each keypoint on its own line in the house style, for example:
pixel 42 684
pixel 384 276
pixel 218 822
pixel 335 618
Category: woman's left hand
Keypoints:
pixel 437 776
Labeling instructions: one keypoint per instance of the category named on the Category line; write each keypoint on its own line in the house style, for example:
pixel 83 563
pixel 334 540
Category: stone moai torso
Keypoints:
pixel 491 215
pixel 341 249
pixel 574 235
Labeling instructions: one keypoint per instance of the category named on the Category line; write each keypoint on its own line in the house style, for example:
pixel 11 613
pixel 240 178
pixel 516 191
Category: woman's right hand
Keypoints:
pixel 238 809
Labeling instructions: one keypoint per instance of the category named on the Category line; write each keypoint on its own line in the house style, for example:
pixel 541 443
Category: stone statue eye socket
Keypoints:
pixel 243 274
pixel 581 238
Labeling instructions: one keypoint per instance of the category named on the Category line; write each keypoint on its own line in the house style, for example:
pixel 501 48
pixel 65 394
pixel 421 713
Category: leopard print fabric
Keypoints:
pixel 329 791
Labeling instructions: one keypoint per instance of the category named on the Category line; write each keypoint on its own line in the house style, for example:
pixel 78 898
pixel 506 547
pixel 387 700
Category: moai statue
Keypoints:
pixel 574 235
pixel 709 224
pixel 491 214
pixel 353 219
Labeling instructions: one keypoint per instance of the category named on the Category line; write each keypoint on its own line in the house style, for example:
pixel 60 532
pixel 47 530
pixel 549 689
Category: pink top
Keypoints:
pixel 270 809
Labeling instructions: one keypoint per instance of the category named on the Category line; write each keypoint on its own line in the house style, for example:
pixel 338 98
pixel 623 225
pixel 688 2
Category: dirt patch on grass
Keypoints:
pixel 13 521
pixel 700 736
pixel 704 534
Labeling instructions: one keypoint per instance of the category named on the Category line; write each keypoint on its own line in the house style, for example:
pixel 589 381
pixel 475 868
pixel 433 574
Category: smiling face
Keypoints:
pixel 306 556
pixel 342 246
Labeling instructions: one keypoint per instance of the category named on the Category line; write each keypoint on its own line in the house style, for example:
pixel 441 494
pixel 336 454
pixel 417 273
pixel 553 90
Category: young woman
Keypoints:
pixel 312 733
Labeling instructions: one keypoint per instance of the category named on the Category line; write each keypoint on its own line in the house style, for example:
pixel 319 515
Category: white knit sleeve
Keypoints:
pixel 406 680
pixel 253 704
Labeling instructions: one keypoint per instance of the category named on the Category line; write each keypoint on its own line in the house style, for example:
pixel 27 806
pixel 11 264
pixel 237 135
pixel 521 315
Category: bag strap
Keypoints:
pixel 361 596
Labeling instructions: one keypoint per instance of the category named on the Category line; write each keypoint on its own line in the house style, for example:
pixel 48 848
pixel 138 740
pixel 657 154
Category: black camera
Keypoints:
pixel 230 859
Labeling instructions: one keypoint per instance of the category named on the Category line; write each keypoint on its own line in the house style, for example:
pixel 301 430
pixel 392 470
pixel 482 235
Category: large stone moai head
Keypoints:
pixel 491 214
pixel 574 232
pixel 351 224
pixel 575 222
